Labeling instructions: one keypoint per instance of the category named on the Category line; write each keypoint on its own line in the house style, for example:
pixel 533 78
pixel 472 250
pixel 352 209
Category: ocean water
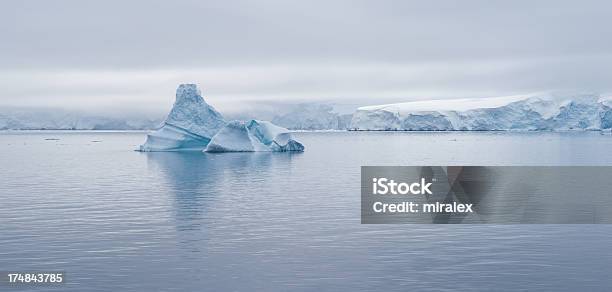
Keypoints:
pixel 118 220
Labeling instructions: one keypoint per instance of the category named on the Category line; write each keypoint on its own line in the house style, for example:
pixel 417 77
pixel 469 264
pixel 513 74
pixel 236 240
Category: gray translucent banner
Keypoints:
pixel 486 194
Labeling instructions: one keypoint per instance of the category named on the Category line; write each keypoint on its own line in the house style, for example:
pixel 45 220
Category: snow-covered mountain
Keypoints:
pixel 312 116
pixel 304 116
pixel 46 119
pixel 549 111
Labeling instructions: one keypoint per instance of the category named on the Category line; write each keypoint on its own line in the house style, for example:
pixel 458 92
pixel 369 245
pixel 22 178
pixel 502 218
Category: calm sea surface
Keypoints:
pixel 118 220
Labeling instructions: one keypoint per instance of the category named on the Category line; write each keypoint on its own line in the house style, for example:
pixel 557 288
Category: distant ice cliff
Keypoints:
pixel 535 112
pixel 12 118
pixel 313 116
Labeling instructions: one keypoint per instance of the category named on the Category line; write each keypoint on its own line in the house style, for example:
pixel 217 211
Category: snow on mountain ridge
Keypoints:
pixel 442 105
pixel 606 100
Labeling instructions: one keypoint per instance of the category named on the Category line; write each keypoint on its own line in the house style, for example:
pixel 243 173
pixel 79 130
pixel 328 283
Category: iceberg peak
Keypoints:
pixel 189 126
pixel 188 93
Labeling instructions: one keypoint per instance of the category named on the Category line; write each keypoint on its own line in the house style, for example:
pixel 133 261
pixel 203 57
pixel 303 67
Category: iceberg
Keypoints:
pixel 534 112
pixel 251 136
pixel 190 125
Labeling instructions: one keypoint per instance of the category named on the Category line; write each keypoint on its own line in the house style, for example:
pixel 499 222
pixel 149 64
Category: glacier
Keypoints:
pixel 313 116
pixel 24 118
pixel 252 136
pixel 190 125
pixel 532 112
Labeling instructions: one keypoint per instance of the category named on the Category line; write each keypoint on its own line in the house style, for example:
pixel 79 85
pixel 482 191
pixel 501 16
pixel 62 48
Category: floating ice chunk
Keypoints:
pixel 275 137
pixel 189 126
pixel 234 137
pixel 254 135
pixel 171 138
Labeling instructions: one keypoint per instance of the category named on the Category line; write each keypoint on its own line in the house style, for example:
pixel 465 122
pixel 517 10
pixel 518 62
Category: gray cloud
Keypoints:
pixel 133 53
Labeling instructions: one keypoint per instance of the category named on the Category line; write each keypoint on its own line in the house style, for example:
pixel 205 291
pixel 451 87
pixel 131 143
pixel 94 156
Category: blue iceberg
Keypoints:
pixel 252 136
pixel 190 125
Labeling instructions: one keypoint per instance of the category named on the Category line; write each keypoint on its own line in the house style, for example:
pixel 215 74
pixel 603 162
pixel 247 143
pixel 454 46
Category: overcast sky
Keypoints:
pixel 132 54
